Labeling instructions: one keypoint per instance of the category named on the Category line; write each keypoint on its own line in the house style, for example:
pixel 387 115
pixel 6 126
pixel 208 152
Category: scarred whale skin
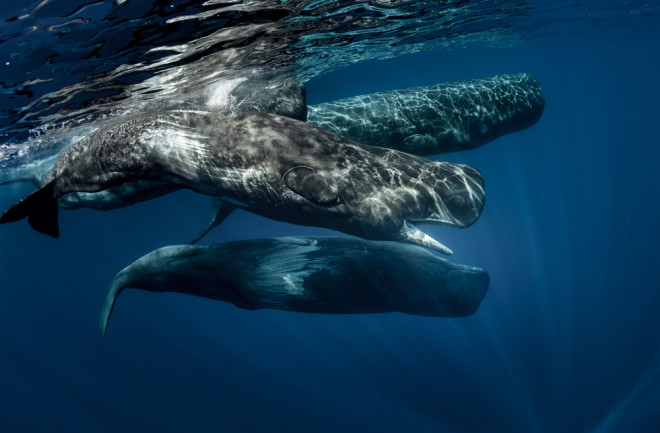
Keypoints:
pixel 429 120
pixel 286 97
pixel 337 275
pixel 271 165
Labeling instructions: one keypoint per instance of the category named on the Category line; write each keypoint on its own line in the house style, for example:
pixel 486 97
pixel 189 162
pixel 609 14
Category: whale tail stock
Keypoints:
pixel 118 284
pixel 40 208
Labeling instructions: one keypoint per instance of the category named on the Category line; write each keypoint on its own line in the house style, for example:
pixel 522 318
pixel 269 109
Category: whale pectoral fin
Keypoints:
pixel 40 208
pixel 310 184
pixel 220 209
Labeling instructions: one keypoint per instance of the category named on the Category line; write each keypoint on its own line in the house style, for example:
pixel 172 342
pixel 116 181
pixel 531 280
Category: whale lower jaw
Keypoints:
pixel 413 235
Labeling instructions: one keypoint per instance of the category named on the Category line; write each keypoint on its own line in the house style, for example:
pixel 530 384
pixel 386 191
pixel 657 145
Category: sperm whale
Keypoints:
pixel 271 165
pixel 440 118
pixel 332 275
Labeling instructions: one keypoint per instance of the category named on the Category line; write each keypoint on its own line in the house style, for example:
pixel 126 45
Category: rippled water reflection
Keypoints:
pixel 63 62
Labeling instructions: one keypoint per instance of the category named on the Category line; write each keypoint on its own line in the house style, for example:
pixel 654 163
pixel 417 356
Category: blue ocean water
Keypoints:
pixel 567 338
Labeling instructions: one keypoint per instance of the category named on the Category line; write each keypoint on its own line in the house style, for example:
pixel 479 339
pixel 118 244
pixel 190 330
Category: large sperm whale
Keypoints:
pixel 429 120
pixel 336 275
pixel 271 165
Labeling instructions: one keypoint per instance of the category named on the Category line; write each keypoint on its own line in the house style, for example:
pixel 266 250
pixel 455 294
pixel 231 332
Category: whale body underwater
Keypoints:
pixel 271 165
pixel 332 275
pixel 421 120
pixel 430 120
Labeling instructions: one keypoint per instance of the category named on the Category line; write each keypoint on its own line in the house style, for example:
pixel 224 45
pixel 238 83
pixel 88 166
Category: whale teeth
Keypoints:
pixel 410 233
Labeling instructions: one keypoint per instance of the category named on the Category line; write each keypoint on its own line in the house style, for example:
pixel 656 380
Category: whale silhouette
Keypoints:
pixel 332 275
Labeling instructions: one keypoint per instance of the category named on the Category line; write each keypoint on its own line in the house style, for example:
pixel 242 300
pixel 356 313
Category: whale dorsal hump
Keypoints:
pixel 309 183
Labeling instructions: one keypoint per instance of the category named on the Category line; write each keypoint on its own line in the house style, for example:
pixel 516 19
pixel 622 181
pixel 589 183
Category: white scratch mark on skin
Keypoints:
pixel 294 283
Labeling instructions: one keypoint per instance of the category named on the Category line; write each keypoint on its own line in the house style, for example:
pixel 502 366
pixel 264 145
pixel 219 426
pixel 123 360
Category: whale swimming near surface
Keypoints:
pixel 518 97
pixel 337 275
pixel 271 165
pixel 286 97
pixel 435 119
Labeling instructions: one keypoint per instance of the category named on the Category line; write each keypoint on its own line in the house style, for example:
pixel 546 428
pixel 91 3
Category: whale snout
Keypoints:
pixel 469 287
pixel 462 195
pixel 451 195
pixel 453 291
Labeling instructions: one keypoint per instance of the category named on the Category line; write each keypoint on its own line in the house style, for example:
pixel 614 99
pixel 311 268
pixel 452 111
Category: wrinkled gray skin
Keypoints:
pixel 271 165
pixel 435 119
pixel 313 275
pixel 285 97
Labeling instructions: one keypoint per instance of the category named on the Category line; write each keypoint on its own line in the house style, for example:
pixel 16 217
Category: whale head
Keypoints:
pixel 386 194
pixel 425 192
pixel 451 195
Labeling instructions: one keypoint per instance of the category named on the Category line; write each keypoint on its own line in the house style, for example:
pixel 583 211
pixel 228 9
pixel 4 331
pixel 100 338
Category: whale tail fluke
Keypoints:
pixel 40 208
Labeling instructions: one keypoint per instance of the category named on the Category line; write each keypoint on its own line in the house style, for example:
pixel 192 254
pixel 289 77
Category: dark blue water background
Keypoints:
pixel 567 339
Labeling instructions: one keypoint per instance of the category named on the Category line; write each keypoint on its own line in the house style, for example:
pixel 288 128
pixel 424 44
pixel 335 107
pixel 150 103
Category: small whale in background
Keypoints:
pixel 271 165
pixel 335 275
pixel 435 119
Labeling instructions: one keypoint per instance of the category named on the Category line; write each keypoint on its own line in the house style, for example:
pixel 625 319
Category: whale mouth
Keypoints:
pixel 412 234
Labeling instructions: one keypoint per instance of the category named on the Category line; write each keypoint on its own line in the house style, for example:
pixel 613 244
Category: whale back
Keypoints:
pixel 429 120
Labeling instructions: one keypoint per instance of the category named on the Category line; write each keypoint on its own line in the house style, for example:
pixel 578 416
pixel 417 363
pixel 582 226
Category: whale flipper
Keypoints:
pixel 40 208
pixel 220 209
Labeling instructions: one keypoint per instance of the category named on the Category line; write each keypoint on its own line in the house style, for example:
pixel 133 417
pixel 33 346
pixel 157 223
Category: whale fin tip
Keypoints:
pixel 40 208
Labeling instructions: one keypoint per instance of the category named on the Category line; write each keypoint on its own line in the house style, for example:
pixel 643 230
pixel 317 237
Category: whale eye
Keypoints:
pixel 309 183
